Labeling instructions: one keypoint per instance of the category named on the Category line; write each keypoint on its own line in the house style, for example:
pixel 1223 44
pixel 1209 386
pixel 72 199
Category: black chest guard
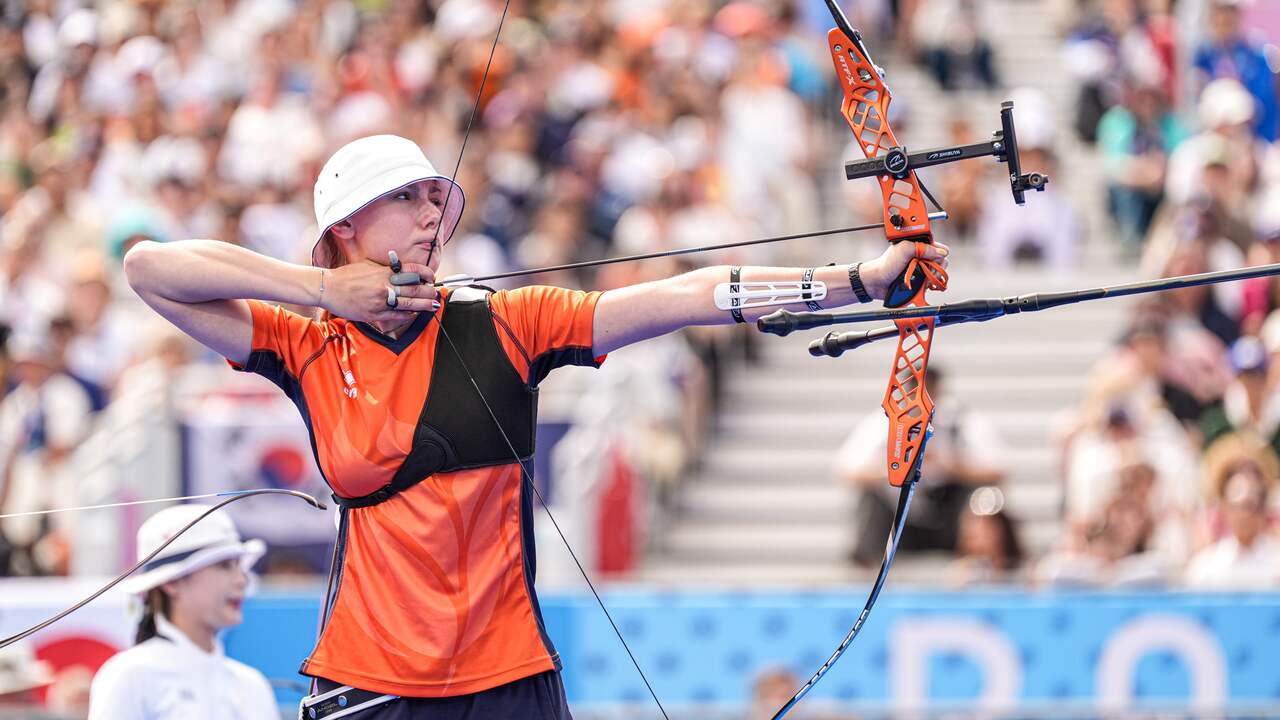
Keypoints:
pixel 456 430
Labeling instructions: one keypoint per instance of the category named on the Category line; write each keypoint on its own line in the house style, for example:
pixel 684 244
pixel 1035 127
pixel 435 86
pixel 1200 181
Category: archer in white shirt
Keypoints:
pixel 169 676
pixel 194 590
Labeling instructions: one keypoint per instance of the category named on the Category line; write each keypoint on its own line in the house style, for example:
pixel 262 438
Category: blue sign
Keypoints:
pixel 927 650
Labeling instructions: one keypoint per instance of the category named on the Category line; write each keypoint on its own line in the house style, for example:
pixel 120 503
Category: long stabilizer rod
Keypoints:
pixel 784 322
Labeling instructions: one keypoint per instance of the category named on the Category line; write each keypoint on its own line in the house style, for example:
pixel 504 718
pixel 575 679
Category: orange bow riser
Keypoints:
pixel 906 219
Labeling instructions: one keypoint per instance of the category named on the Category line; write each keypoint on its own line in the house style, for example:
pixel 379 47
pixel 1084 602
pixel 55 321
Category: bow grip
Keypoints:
pixel 904 288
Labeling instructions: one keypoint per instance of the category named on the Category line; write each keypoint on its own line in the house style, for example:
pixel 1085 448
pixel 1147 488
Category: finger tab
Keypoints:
pixel 406 278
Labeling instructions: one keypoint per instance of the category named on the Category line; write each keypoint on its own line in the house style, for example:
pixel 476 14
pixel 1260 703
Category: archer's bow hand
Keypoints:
pixel 879 274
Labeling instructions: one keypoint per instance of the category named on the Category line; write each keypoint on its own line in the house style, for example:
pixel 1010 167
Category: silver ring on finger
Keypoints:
pixel 393 298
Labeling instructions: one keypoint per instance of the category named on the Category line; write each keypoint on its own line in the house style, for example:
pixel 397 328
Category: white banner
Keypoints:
pixel 256 441
pixel 75 647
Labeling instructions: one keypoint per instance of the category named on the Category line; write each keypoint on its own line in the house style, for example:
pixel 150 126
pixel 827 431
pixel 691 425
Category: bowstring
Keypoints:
pixel 528 479
pixel 466 135
pixel 524 472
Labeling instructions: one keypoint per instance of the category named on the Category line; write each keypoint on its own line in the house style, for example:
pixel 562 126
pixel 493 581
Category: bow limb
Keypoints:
pixel 5 642
pixel 891 551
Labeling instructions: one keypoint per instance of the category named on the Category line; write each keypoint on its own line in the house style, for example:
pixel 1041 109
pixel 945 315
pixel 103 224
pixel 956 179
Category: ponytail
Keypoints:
pixel 157 603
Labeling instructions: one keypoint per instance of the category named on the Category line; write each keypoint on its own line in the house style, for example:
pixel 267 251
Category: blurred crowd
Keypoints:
pixel 603 127
pixel 1169 465
pixel 1168 468
pixel 609 127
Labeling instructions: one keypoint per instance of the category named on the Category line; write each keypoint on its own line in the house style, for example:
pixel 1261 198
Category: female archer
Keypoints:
pixel 421 407
pixel 193 589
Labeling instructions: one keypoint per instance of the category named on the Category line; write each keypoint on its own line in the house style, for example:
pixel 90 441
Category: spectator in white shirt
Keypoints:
pixel 1249 557
pixel 1047 230
pixel 42 420
pixel 966 452
pixel 194 590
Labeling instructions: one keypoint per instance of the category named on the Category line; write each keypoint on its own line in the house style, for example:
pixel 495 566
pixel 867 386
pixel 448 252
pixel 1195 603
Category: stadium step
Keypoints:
pixel 785 415
pixel 766 494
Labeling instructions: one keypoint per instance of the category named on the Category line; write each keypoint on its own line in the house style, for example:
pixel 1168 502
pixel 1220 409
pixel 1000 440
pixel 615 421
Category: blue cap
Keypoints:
pixel 133 221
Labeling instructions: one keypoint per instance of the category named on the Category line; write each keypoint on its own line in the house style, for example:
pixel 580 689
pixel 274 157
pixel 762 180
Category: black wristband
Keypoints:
pixel 855 282
pixel 735 286
pixel 807 290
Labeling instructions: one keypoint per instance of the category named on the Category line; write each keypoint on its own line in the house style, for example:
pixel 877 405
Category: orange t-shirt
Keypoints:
pixel 435 592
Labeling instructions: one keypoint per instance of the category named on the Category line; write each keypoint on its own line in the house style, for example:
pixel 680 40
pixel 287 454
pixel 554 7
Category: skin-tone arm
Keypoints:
pixel 201 287
pixel 630 314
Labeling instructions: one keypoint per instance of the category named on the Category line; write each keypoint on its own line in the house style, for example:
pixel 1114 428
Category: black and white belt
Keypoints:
pixel 340 702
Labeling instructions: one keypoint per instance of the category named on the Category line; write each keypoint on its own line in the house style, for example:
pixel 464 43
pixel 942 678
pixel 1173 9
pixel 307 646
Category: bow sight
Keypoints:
pixel 897 162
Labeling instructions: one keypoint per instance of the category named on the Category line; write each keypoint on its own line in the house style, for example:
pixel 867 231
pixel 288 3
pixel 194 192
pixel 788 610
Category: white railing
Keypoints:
pixel 131 454
pixel 612 413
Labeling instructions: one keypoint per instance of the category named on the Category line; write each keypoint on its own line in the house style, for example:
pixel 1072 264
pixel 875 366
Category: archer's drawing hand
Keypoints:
pixel 363 291
pixel 879 273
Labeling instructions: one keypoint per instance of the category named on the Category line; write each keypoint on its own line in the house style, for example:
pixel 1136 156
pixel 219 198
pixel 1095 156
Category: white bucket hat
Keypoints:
pixel 209 541
pixel 364 170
